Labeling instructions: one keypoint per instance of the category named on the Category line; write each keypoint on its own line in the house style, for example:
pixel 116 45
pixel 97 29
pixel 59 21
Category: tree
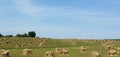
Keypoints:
pixel 18 35
pixel 24 35
pixel 1 35
pixel 31 34
pixel 9 36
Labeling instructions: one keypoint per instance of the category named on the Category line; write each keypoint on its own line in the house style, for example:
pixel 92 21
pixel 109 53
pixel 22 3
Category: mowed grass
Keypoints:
pixel 73 45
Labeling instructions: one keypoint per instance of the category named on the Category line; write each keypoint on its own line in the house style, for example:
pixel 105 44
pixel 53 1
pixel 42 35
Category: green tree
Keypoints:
pixel 31 34
pixel 1 35
pixel 18 35
pixel 9 36
pixel 24 35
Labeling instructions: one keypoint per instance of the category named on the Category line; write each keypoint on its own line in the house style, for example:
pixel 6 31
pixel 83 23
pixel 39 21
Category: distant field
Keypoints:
pixel 72 45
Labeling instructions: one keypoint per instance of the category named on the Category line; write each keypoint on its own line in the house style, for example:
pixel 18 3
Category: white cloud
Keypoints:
pixel 27 8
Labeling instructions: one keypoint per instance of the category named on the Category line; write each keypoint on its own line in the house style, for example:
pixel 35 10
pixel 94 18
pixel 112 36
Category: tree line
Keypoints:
pixel 29 34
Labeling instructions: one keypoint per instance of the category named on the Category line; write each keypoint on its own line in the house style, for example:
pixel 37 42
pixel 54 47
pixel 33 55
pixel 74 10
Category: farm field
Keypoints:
pixel 39 46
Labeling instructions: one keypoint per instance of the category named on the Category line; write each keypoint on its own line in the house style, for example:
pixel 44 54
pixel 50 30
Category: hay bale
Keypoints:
pixel 4 53
pixel 23 45
pixel 30 43
pixel 7 42
pixel 1 43
pixel 18 46
pixel 109 47
pixel 112 53
pixel 27 52
pixel 94 54
pixel 83 49
pixel 49 54
pixel 57 49
pixel 118 49
pixel 64 52
pixel 74 43
pixel 40 44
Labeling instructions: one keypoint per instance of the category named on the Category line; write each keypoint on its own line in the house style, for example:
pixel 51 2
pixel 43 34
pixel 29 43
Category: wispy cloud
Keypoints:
pixel 60 20
pixel 25 7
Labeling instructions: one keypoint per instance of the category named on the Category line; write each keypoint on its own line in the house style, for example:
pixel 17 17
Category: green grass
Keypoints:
pixel 51 44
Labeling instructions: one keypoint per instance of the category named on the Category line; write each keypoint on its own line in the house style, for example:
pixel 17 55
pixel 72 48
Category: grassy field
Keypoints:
pixel 73 45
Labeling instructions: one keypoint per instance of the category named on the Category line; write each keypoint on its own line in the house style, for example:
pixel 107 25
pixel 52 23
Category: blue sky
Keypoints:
pixel 86 19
